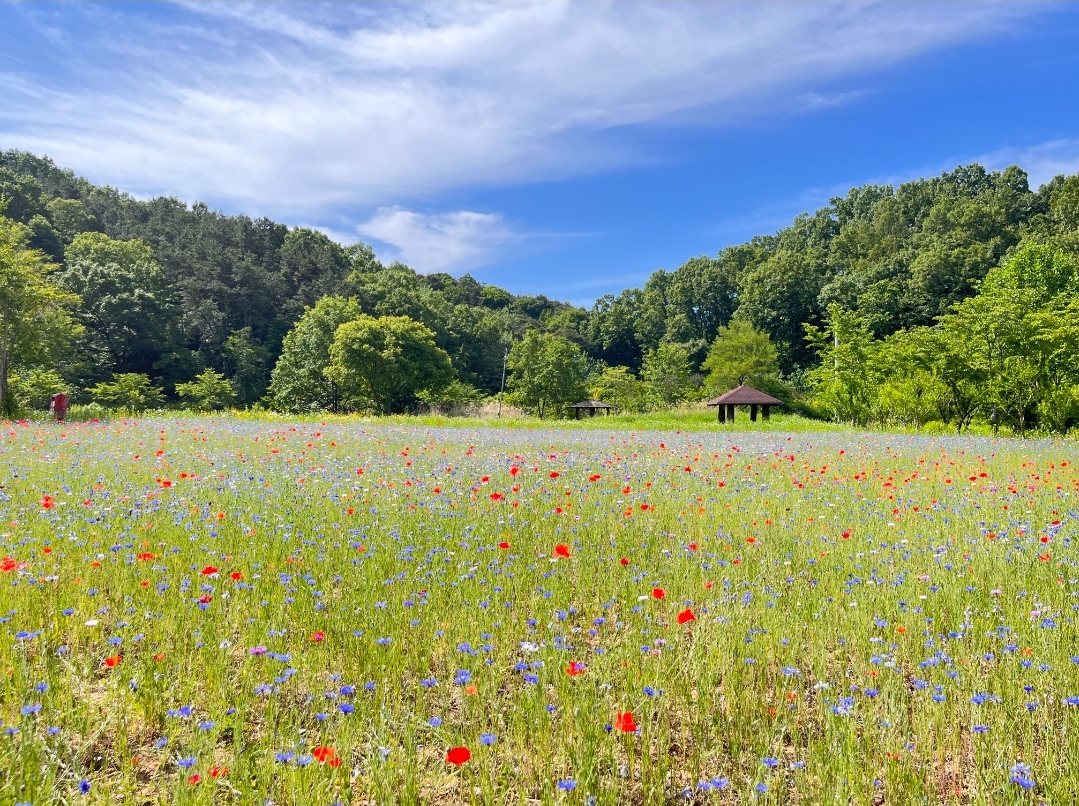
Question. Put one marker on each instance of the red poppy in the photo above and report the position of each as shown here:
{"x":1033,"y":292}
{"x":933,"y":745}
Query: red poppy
{"x":218,"y":772}
{"x":160,"y":656}
{"x":624,"y":561}
{"x":514,"y":470}
{"x":625,"y":722}
{"x":553,"y":474}
{"x":324,"y":754}
{"x":686,"y":615}
{"x":113,"y":662}
{"x":194,"y":779}
{"x":708,"y":585}
{"x":594,"y":477}
{"x":561,"y":550}
{"x":318,"y":636}
{"x":237,"y":575}
{"x":575,"y":668}
{"x":205,"y":598}
{"x":145,"y":555}
{"x":497,"y":496}
{"x":209,"y":571}
{"x":658,"y":593}
{"x":503,"y":545}
{"x":458,"y":755}
{"x":692,"y":546}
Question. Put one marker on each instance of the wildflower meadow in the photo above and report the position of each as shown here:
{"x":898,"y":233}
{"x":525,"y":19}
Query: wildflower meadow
{"x":232,"y":610}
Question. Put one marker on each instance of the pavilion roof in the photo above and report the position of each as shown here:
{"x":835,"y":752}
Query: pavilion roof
{"x":745,"y":396}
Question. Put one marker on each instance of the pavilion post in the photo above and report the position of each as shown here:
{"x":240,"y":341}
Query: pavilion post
{"x":765,"y":409}
{"x":722,"y":410}
{"x":753,"y":412}
{"x":730,"y":412}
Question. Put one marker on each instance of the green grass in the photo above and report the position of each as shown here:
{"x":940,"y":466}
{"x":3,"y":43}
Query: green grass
{"x":820,"y":564}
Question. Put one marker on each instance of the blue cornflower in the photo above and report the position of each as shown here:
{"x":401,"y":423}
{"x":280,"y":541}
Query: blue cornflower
{"x":434,"y":721}
{"x":84,"y":786}
{"x":346,"y":708}
{"x":186,"y":763}
{"x":488,"y":739}
{"x":770,"y":762}
{"x":567,"y":784}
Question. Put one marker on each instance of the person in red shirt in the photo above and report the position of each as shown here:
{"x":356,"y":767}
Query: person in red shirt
{"x":58,"y":406}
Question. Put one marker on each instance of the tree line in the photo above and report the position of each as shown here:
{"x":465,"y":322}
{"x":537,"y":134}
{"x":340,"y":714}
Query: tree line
{"x":946,"y":299}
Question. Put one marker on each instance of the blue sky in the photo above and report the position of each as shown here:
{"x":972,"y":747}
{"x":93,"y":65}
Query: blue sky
{"x":561,"y":148}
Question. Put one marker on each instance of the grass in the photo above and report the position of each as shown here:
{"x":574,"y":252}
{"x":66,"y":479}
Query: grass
{"x":226,"y":610}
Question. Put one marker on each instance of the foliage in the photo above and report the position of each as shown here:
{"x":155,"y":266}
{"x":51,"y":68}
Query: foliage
{"x":620,"y":387}
{"x":128,"y":391}
{"x":668,"y":373}
{"x":32,"y":307}
{"x":168,"y":289}
{"x":547,"y":374}
{"x":127,"y":306}
{"x":452,"y":397}
{"x":299,"y":381}
{"x":383,"y":364}
{"x":209,"y":391}
{"x":741,"y":354}
{"x":33,"y":388}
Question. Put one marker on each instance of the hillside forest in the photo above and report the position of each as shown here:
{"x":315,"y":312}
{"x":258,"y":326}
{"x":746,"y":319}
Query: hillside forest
{"x":951,"y":300}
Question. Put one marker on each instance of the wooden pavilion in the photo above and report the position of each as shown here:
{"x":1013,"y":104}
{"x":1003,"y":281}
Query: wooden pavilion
{"x":743,"y":396}
{"x":591,"y":406}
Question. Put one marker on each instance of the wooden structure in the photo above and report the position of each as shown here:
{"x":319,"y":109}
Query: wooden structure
{"x":591,"y":406}
{"x":743,"y":396}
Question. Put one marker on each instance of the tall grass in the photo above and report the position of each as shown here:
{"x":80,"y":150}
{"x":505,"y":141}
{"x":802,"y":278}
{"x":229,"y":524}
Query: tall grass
{"x":876,"y":619}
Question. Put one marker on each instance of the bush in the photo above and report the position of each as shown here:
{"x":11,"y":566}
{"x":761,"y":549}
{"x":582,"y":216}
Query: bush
{"x":210,"y":391}
{"x":129,"y":391}
{"x":33,"y":389}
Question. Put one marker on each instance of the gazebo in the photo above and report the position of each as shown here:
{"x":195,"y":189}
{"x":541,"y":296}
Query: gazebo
{"x":743,"y":396}
{"x":591,"y":406}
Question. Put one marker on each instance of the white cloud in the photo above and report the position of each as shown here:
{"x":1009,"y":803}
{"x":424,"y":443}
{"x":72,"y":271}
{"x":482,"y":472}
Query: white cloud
{"x":431,"y":243}
{"x":296,"y":109}
{"x":1041,"y":162}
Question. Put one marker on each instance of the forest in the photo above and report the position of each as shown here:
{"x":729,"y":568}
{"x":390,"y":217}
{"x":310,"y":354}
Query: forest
{"x":951,"y":300}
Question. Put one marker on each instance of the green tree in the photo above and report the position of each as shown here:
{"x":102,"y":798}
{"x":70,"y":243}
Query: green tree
{"x":547,"y":373}
{"x":128,"y":391}
{"x":620,"y":387}
{"x":247,"y":366}
{"x":298,"y":381}
{"x":32,"y":307}
{"x":668,"y":374}
{"x":741,"y":354}
{"x":127,"y":308}
{"x":34,"y":387}
{"x":843,"y":384}
{"x":384,"y":363}
{"x":210,"y":391}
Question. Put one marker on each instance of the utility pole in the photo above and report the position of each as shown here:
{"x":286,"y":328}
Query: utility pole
{"x":503,"y":389}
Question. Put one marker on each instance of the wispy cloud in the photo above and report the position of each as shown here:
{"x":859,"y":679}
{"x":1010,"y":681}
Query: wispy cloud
{"x":429,"y":243}
{"x":1041,"y":162}
{"x":316,"y":106}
